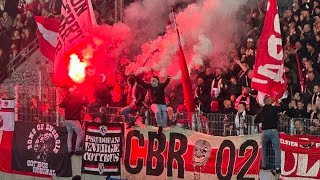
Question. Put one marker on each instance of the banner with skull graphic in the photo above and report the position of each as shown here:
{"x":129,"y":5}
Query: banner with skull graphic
{"x":182,"y":154}
{"x":41,"y":148}
{"x":102,"y":148}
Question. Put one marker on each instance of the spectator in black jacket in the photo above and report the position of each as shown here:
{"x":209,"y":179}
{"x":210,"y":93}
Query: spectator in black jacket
{"x":158,"y":99}
{"x":233,"y":87}
{"x":300,"y":111}
{"x":102,"y":95}
{"x":202,"y":96}
{"x":135,"y":98}
{"x":268,"y":116}
{"x":73,"y":104}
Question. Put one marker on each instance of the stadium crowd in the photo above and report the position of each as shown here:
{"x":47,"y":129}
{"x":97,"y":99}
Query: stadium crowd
{"x":227,"y":90}
{"x":224,"y":90}
{"x":18,"y":26}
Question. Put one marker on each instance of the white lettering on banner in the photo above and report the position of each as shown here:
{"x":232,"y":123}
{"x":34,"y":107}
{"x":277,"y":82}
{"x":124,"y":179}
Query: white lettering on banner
{"x":41,"y":167}
{"x":49,"y":172}
{"x":301,"y":162}
{"x":44,"y":128}
{"x":267,"y":71}
{"x":274,"y":70}
{"x":70,"y":28}
{"x":273,"y":43}
{"x":102,"y":148}
{"x":229,"y":157}
{"x":276,"y":24}
{"x":260,"y":81}
{"x":317,"y":145}
{"x":99,"y":157}
{"x":283,"y":172}
{"x":290,"y":143}
{"x":95,"y":139}
{"x":38,"y":164}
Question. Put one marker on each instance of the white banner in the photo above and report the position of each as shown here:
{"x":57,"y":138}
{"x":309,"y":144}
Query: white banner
{"x":7,"y":115}
{"x":184,"y":154}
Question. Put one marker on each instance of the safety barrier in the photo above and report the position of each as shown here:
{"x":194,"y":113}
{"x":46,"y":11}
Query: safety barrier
{"x":212,"y":123}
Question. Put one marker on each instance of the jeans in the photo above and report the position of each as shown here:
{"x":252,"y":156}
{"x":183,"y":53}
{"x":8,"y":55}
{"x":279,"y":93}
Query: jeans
{"x":160,"y":111}
{"x":126,"y":113}
{"x":273,"y":136}
{"x":74,"y":125}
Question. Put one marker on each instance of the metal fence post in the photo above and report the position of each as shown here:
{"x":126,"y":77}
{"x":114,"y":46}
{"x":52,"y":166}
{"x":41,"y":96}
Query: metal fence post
{"x":16,"y":97}
{"x":57,"y":107}
{"x":291,"y":126}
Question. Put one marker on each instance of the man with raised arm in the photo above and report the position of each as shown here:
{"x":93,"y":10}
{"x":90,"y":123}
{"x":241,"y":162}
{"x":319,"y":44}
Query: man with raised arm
{"x":158,"y":106}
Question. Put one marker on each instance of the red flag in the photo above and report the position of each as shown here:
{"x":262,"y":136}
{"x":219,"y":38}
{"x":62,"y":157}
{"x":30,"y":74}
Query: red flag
{"x":301,"y":79}
{"x":268,"y":76}
{"x":78,"y":19}
{"x":186,"y":82}
{"x":47,"y":35}
{"x":185,"y":77}
{"x":6,"y":138}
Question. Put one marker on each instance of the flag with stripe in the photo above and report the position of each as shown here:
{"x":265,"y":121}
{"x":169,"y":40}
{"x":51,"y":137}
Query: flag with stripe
{"x":47,"y":35}
{"x":268,"y":73}
{"x":102,"y":148}
{"x":78,"y":18}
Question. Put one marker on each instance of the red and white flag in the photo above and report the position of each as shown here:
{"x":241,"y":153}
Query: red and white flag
{"x":7,"y":115}
{"x":185,"y":77}
{"x":78,"y":19}
{"x":268,"y":76}
{"x":48,"y":29}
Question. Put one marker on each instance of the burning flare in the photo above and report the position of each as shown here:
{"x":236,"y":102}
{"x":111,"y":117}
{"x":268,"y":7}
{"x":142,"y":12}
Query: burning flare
{"x":77,"y":70}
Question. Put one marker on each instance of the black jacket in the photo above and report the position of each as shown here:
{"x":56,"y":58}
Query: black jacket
{"x":268,"y":116}
{"x":157,"y":93}
{"x":73,"y":105}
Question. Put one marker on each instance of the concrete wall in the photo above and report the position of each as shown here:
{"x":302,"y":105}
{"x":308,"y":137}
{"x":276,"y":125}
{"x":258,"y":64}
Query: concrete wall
{"x":76,"y":170}
{"x":28,"y":74}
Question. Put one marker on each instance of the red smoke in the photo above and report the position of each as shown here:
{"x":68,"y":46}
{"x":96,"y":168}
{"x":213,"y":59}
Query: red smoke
{"x":77,"y":69}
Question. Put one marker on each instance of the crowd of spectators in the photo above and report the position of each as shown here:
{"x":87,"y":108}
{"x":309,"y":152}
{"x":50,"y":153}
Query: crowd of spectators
{"x":17,"y":29}
{"x":224,"y":90}
{"x":18,"y":26}
{"x":227,"y":90}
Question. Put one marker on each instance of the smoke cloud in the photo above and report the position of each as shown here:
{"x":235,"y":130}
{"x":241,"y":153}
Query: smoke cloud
{"x":147,"y":40}
{"x":206,"y":29}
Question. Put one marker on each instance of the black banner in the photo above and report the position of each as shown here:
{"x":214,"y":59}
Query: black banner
{"x":41,"y":148}
{"x":103,"y":148}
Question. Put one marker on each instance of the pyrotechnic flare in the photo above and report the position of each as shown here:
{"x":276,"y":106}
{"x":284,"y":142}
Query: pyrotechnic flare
{"x":77,"y":69}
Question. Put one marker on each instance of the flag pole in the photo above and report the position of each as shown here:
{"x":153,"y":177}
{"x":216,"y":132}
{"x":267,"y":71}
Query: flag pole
{"x":185,"y":77}
{"x":300,"y":73}
{"x":175,"y":24}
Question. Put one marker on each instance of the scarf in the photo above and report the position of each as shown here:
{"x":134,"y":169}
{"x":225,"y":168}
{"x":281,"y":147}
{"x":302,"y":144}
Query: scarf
{"x":219,"y":84}
{"x":52,"y":6}
{"x":131,"y":94}
{"x":239,"y":123}
{"x":315,"y":98}
{"x":238,"y":100}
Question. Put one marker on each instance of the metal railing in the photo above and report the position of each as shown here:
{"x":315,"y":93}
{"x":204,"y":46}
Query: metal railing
{"x":23,"y":56}
{"x":212,"y":124}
